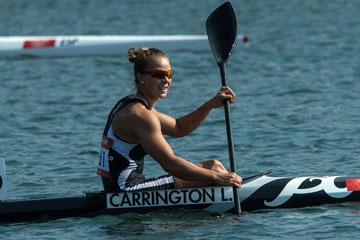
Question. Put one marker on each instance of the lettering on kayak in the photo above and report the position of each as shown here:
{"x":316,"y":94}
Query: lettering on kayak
{"x":68,"y":42}
{"x":223,"y":196}
{"x":169,"y":197}
{"x":327,"y":184}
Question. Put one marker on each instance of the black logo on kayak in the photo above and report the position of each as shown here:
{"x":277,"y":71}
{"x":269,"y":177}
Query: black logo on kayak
{"x":68,"y":42}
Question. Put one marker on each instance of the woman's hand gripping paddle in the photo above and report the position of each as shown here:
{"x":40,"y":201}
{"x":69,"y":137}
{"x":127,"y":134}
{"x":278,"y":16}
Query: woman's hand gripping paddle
{"x":221,"y":29}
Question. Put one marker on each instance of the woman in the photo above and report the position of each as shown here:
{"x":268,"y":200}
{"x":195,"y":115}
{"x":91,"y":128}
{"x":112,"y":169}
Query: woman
{"x":135,"y":129}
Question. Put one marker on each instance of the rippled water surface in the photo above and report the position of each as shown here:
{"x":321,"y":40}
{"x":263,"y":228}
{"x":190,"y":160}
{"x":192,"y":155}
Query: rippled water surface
{"x":297,"y":110}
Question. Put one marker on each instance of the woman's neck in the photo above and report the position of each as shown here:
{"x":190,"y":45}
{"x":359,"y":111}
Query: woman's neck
{"x":151,"y":103}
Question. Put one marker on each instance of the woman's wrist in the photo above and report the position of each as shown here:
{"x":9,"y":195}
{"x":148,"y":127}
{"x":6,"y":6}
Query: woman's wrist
{"x":208,"y":105}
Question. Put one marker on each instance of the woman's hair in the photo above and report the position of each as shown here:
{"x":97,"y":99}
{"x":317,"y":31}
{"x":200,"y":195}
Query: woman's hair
{"x":141,"y":57}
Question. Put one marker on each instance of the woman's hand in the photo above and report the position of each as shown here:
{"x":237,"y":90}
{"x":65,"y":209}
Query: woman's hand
{"x":228,"y":179}
{"x":225,"y":93}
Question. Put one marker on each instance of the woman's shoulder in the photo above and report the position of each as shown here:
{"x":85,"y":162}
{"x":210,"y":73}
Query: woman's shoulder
{"x":141,"y":113}
{"x":136,"y":113}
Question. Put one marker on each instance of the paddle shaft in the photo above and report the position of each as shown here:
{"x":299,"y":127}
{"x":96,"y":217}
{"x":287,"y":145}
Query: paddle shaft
{"x":222,"y":66}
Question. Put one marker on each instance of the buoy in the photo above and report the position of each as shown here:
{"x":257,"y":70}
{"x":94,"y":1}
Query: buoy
{"x":246,"y":41}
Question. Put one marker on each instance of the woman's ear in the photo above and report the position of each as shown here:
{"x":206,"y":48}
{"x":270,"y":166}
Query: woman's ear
{"x":139,"y":76}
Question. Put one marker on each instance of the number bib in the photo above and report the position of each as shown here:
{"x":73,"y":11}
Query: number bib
{"x":103,"y":166}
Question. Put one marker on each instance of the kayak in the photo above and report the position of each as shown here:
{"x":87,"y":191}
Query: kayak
{"x":65,"y":46}
{"x":262,"y":191}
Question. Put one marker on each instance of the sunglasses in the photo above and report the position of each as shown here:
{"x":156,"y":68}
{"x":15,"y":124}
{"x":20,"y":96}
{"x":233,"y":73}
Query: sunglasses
{"x":160,"y":74}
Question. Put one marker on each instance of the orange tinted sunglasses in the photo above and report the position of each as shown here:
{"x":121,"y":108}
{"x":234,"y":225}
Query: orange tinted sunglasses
{"x":160,"y":73}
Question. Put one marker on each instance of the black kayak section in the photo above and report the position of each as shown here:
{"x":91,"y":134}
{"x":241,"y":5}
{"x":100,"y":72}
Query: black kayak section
{"x":275,"y":192}
{"x":262,"y":191}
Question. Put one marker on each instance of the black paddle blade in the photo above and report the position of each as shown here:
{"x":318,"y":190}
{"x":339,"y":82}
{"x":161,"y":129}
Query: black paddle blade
{"x":221,"y":28}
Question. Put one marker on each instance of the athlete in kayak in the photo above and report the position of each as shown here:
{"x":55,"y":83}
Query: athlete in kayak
{"x":134,"y":129}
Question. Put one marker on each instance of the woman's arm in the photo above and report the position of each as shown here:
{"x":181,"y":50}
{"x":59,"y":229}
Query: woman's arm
{"x":148,"y":133}
{"x":183,"y":126}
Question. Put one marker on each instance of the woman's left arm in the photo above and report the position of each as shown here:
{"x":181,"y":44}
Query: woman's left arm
{"x":184,"y":125}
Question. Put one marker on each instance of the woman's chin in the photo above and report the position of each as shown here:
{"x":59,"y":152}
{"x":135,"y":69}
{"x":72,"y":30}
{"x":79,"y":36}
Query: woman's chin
{"x":163,"y":94}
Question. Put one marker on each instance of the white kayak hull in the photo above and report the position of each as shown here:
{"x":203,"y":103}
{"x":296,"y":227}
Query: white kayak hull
{"x":65,"y":46}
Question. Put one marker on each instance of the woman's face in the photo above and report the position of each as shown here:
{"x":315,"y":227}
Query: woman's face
{"x":157,"y":78}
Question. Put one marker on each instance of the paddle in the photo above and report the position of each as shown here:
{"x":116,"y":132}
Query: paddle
{"x":221,"y":29}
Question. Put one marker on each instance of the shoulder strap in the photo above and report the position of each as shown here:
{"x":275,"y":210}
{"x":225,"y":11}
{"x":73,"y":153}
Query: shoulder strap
{"x":119,"y":105}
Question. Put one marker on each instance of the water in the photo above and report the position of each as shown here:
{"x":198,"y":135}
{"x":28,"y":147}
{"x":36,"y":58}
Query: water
{"x":297,"y":110}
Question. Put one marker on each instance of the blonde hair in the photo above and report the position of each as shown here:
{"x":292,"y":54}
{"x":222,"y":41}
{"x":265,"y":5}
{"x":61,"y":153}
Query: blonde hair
{"x":141,"y":57}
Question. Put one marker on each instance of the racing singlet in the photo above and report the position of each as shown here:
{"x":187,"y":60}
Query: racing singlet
{"x":121,"y":163}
